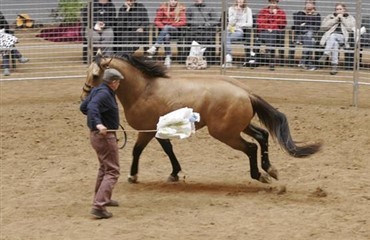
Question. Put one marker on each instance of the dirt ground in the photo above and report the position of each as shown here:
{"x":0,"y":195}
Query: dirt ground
{"x":48,"y":172}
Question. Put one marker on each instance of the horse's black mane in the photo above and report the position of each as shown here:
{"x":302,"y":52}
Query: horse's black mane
{"x":148,"y":67}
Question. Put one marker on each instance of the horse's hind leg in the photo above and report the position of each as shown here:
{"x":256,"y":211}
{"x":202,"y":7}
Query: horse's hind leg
{"x":176,"y":168}
{"x":262,"y":136}
{"x":250,"y":149}
{"x":141,"y":142}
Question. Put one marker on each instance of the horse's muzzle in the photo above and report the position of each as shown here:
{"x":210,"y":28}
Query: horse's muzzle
{"x":85,"y":91}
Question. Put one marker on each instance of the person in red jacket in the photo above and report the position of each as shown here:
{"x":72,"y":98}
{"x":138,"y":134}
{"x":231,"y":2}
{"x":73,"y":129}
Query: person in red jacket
{"x":169,"y":18}
{"x":271,"y":23}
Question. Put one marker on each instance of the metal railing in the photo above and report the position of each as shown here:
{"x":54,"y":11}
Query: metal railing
{"x":64,"y":60}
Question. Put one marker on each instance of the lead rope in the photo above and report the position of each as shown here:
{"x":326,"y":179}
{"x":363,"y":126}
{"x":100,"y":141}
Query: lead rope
{"x":120,"y":130}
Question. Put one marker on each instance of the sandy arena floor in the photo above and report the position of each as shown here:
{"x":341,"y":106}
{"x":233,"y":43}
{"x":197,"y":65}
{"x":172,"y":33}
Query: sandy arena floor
{"x":48,"y":171}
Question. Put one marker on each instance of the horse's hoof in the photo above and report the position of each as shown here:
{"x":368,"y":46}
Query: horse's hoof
{"x":273,"y":172}
{"x":132,"y":179}
{"x":173,"y":178}
{"x":264,"y":178}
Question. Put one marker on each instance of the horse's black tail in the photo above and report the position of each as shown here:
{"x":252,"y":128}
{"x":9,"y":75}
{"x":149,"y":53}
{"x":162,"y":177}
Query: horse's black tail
{"x":277,"y":124}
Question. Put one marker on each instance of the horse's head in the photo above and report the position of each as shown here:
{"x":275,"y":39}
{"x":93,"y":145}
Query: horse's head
{"x":127,"y":64}
{"x":94,"y":74}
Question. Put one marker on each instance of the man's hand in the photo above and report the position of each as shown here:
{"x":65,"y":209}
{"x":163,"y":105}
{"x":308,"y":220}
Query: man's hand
{"x":102,"y":129}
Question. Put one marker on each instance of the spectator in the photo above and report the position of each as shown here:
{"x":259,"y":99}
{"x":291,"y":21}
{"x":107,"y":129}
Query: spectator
{"x":337,"y":27}
{"x":5,"y":32}
{"x":240,"y":17}
{"x":132,"y":27}
{"x":104,"y":16}
{"x":307,"y":24}
{"x":202,"y":22}
{"x":271,"y":23}
{"x":170,"y":17}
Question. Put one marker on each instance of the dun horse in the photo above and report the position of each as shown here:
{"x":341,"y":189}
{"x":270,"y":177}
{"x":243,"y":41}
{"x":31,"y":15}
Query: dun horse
{"x":225,"y":105}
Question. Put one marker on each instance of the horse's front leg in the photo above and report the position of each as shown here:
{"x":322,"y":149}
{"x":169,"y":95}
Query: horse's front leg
{"x":141,"y":142}
{"x":176,"y":168}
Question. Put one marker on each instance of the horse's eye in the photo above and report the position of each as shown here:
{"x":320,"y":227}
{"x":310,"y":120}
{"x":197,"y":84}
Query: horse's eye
{"x":95,"y":78}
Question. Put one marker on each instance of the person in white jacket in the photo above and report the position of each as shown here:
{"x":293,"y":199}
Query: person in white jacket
{"x":240,"y":17}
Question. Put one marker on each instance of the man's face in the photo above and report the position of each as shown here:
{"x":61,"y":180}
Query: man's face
{"x":310,"y":6}
{"x":115,"y":84}
{"x":130,"y":2}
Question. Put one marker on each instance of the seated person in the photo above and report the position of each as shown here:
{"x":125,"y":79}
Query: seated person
{"x":104,"y":16}
{"x":307,"y":24}
{"x":4,"y":31}
{"x":132,"y":27}
{"x":169,"y":19}
{"x":271,"y":23}
{"x":202,"y":26}
{"x":337,"y":27}
{"x":240,"y":17}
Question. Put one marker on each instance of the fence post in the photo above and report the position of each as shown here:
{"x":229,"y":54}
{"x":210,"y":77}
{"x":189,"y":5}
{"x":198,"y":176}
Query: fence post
{"x":356,"y":60}
{"x":90,"y":21}
{"x":223,"y":35}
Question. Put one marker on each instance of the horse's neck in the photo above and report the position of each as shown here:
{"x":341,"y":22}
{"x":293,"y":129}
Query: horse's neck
{"x":133,"y":84}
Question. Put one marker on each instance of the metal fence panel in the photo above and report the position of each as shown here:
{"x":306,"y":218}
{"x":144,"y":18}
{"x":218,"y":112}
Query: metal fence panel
{"x":57,"y":49}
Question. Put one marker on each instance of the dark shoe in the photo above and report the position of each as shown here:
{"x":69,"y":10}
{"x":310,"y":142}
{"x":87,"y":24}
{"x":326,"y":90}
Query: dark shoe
{"x":310,"y":68}
{"x":112,"y":203}
{"x":272,"y":67}
{"x":23,"y":60}
{"x":323,"y":58}
{"x":252,"y":63}
{"x":100,"y":214}
{"x":334,"y":70}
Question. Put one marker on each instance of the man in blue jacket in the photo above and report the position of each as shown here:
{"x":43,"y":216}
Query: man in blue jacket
{"x":102,"y":114}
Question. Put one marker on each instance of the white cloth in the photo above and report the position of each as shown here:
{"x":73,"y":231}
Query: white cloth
{"x":7,"y":41}
{"x":178,"y":123}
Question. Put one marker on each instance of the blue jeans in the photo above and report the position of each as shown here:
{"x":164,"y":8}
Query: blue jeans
{"x":308,"y":42}
{"x":233,"y":37}
{"x":272,"y":41}
{"x":164,"y":37}
{"x":6,"y":57}
{"x":104,"y":37}
{"x":334,"y":42}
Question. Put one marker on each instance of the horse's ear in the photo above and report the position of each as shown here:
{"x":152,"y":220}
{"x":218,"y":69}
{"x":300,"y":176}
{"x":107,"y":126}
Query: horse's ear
{"x":98,"y":57}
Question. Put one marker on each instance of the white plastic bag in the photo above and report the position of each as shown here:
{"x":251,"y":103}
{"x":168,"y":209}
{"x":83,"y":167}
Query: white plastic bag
{"x":195,"y":60}
{"x":179,"y":123}
{"x":196,"y":50}
{"x":359,"y":32}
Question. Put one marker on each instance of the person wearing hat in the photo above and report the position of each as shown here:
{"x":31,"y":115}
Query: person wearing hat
{"x":271,"y":23}
{"x":102,"y":114}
